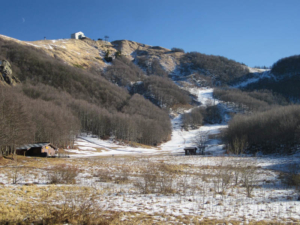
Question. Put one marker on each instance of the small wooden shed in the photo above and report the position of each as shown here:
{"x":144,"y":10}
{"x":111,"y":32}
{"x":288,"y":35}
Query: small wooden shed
{"x":39,"y":149}
{"x":190,"y":150}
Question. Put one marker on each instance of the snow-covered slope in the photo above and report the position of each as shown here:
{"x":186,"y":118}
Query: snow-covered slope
{"x":89,"y":146}
{"x":255,"y":76}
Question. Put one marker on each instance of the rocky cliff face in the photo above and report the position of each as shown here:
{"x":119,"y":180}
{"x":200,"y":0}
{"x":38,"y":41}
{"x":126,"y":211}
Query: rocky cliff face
{"x":6,"y":74}
{"x":144,"y":55}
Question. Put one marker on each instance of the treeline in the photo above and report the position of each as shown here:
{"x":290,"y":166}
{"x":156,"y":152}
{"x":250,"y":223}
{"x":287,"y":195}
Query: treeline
{"x":24,"y":120}
{"x":274,"y":131}
{"x":287,"y":73}
{"x":251,"y":101}
{"x":287,"y":66}
{"x":222,"y":69}
{"x":59,"y":101}
{"x":287,"y":86}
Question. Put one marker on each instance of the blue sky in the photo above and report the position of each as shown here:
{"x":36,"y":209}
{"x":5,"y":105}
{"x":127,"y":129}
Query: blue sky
{"x":255,"y":32}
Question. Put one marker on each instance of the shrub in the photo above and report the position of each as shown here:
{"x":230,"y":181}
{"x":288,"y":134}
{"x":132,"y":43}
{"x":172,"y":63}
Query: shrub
{"x":213,"y":115}
{"x":104,"y":175}
{"x":155,"y":179}
{"x":249,"y":176}
{"x":177,"y":50}
{"x":292,"y":178}
{"x":63,"y":174}
{"x":193,"y":119}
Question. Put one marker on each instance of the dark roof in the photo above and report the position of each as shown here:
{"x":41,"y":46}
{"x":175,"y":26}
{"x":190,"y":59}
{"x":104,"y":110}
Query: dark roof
{"x":37,"y":145}
{"x":190,"y":148}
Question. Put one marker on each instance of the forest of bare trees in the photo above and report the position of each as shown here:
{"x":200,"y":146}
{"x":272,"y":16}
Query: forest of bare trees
{"x":272,"y":131}
{"x":287,"y":66}
{"x":24,"y":120}
{"x":222,"y":69}
{"x":155,"y":85}
{"x":210,"y":114}
{"x":123,"y":72}
{"x":250,"y":101}
{"x":287,"y":72}
{"x":57,"y":101}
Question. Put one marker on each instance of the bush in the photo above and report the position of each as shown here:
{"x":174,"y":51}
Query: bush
{"x":104,"y":175}
{"x":63,"y":174}
{"x":193,"y":119}
{"x":155,"y":179}
{"x":292,"y":178}
{"x":197,"y":116}
{"x":213,"y":115}
{"x":177,"y":50}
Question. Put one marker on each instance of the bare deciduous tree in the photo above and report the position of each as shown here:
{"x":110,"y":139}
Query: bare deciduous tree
{"x":200,"y":140}
{"x":249,"y":178}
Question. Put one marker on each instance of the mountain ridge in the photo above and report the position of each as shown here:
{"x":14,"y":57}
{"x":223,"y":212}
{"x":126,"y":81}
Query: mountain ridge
{"x":91,"y":54}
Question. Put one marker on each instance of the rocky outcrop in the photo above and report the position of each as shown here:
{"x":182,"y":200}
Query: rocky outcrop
{"x":88,"y":53}
{"x":6,"y":76}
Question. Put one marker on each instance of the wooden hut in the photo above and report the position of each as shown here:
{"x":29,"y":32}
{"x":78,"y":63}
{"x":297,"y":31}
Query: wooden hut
{"x":39,"y":149}
{"x":190,"y":150}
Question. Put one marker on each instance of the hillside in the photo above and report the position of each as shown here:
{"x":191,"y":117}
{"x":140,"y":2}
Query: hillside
{"x":125,"y":125}
{"x":282,"y":79}
{"x":90,"y":54}
{"x":74,"y":77}
{"x":58,"y":101}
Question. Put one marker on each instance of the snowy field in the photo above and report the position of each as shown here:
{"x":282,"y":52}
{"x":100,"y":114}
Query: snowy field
{"x":163,"y":184}
{"x":197,"y":178}
{"x":166,"y":188}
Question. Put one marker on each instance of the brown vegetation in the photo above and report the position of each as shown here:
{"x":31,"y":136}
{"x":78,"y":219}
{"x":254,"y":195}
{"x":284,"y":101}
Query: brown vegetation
{"x":59,"y":100}
{"x":250,"y":101}
{"x":223,"y":69}
{"x":272,"y":131}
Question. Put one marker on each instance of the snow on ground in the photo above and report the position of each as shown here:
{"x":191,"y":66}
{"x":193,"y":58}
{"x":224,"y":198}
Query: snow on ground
{"x":179,"y":140}
{"x":205,"y":96}
{"x":89,"y":146}
{"x":194,"y":179}
{"x":256,"y":77}
{"x":257,"y":70}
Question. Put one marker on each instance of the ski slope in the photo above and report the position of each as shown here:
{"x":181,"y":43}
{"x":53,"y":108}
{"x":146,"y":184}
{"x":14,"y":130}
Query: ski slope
{"x":88,"y":146}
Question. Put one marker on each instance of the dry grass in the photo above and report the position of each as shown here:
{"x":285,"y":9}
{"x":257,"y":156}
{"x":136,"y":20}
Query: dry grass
{"x":110,"y":181}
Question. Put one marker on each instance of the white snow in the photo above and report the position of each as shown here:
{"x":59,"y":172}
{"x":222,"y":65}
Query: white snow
{"x":257,"y":70}
{"x":33,"y":45}
{"x":179,"y":138}
{"x":256,"y":77}
{"x":194,"y":182}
